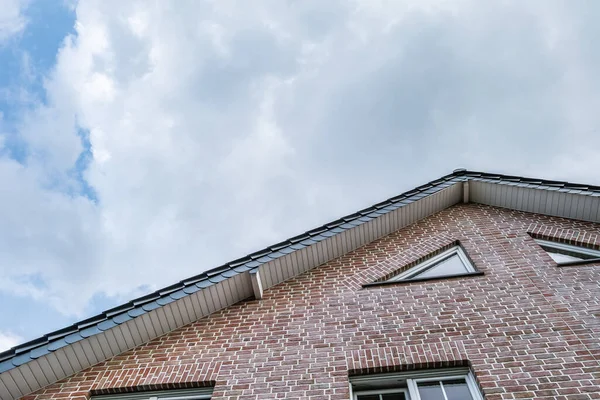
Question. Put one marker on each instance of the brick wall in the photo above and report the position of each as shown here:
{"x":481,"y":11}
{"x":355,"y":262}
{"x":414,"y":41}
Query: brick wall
{"x":528,"y":328}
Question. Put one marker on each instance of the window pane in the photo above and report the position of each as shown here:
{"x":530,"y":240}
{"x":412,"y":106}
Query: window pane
{"x":561,"y":258}
{"x":449,"y":266}
{"x":393,"y":396}
{"x":457,"y":390}
{"x":430,"y":391}
{"x":368,"y":397}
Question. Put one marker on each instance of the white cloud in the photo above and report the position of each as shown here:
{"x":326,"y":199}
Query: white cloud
{"x":216,"y":128}
{"x":12,"y":20}
{"x":8,"y":340}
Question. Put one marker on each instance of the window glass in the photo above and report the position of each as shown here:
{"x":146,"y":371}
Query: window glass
{"x":452,"y":265}
{"x":393,"y":396}
{"x":457,"y":390}
{"x":431,"y":391}
{"x":368,"y":397}
{"x":562,"y":258}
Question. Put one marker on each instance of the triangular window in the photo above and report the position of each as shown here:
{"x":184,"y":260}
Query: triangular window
{"x":563,"y":253}
{"x":451,"y":262}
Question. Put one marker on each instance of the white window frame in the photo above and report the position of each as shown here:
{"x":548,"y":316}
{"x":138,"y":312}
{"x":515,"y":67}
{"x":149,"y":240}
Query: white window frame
{"x":417,"y":269}
{"x":413,"y":378}
{"x":568,"y":248}
{"x":177,"y":394}
{"x":469,"y":379}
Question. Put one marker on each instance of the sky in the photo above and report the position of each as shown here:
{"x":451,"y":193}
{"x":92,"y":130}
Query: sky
{"x":143,"y":142}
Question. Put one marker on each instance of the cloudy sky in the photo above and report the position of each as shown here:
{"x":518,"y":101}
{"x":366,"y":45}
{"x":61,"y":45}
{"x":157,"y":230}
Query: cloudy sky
{"x":142,"y":142}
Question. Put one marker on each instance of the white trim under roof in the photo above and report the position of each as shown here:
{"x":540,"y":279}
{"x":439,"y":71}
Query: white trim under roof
{"x":584,"y":206}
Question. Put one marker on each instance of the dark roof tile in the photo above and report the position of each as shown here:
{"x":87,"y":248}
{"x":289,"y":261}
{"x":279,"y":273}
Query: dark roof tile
{"x":299,"y":238}
{"x":145,"y":299}
{"x":91,"y":321}
{"x":90,"y":331}
{"x":121,"y":318}
{"x":21,"y":359}
{"x":279,"y":245}
{"x":32,"y":344}
{"x":190,"y":289}
{"x":61,"y":332}
{"x":57,"y":344}
{"x":118,"y":310}
{"x":163,"y":301}
{"x":170,"y":289}
{"x":109,"y":323}
{"x":74,"y":337}
{"x":217,"y":271}
{"x":383,"y":204}
{"x":285,"y":250}
{"x":236,"y":263}
{"x":229,"y":274}
{"x":242,"y":268}
{"x":39,"y":352}
{"x":204,"y":284}
{"x":136,"y":312}
{"x":150,"y":306}
{"x":6,"y":365}
{"x":253,"y":264}
{"x":216,"y":279}
{"x":327,"y":234}
{"x":260,"y":254}
{"x":317,"y":231}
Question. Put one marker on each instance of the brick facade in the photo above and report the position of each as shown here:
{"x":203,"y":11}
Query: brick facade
{"x":528,"y":328}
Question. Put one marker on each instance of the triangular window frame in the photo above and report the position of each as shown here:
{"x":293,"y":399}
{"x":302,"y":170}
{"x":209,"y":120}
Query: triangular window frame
{"x":571,"y":254}
{"x":414,"y":273}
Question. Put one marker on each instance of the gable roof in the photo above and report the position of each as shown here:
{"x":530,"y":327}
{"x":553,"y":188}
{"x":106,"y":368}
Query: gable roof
{"x":54,"y":356}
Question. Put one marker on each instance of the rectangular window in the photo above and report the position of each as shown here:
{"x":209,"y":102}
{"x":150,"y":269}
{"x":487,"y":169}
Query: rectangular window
{"x":184,"y":394}
{"x":449,"y":384}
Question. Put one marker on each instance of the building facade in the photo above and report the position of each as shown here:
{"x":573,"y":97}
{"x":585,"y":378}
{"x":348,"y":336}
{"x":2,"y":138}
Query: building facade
{"x":385,"y":316}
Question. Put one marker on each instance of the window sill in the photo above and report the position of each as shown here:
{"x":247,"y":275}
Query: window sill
{"x":434,"y":278}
